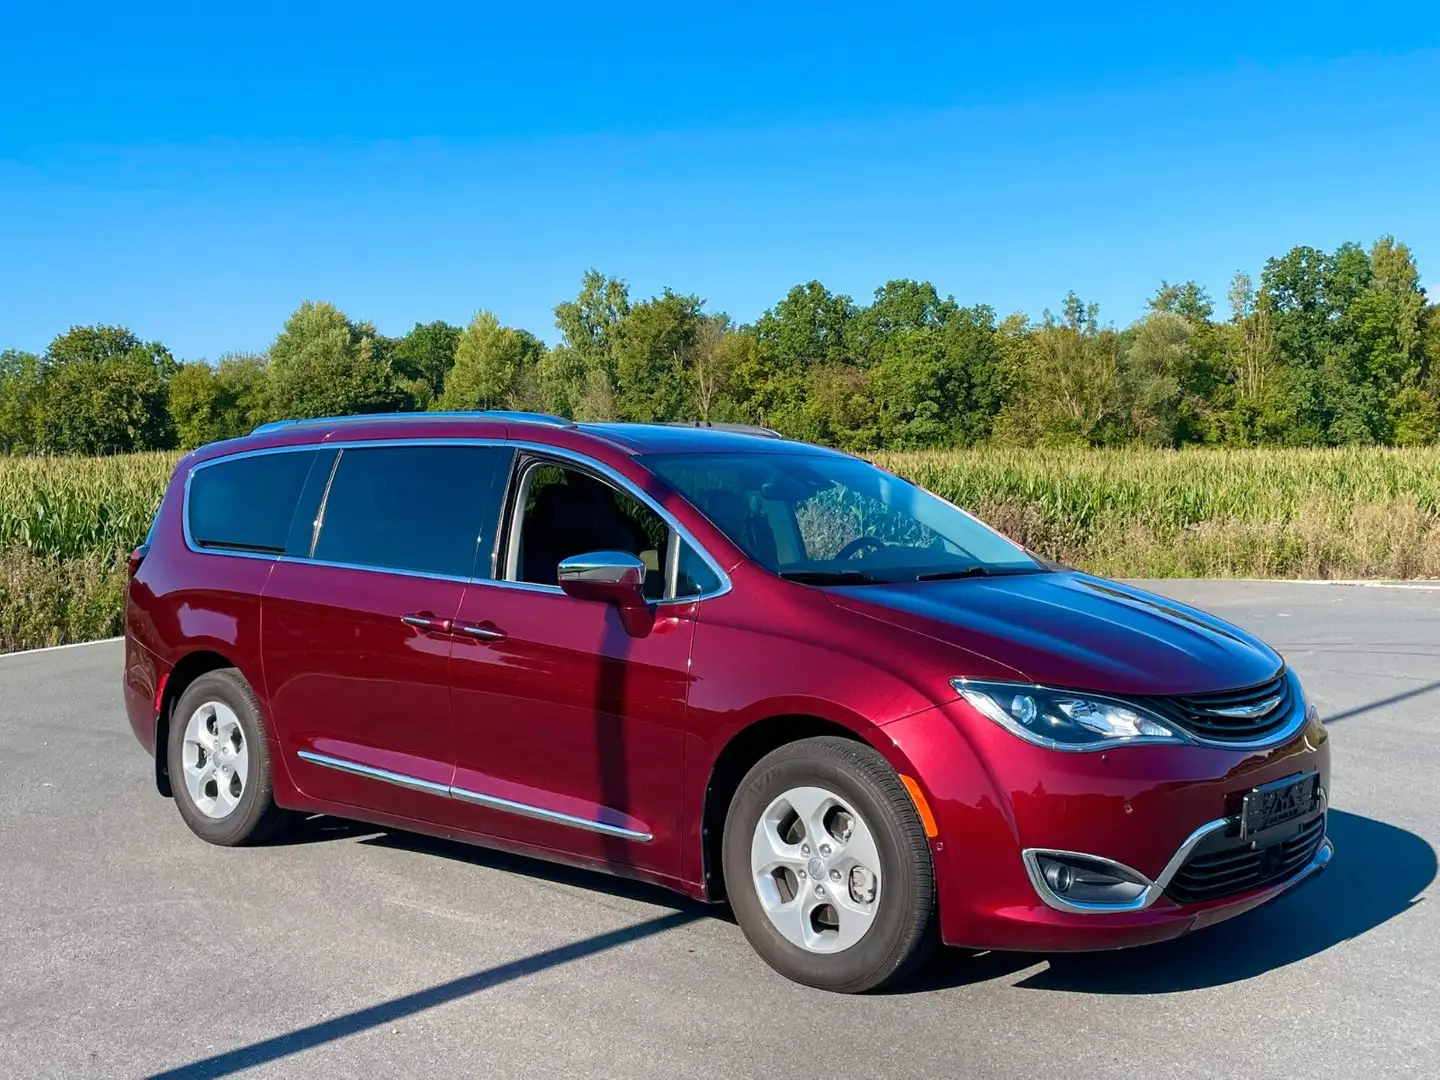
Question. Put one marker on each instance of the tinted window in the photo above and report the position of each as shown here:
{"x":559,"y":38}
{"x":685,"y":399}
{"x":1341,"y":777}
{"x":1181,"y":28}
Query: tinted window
{"x":419,"y":508}
{"x":694,"y":576}
{"x":246,"y":504}
{"x":569,"y":512}
{"x":830,"y":519}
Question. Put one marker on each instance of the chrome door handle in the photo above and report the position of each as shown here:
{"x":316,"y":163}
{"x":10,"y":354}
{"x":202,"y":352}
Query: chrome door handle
{"x":429,"y":623}
{"x":480,"y":631}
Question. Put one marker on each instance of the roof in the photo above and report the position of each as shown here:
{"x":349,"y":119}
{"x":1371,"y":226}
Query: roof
{"x":692,"y":439}
{"x":675,"y":438}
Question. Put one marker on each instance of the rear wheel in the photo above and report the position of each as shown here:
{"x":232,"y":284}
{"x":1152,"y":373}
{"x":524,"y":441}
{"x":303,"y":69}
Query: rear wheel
{"x":828,"y":867}
{"x":220,"y":762}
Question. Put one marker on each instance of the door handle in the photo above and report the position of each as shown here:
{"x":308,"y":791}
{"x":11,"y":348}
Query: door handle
{"x":479,"y":631}
{"x":427,"y":622}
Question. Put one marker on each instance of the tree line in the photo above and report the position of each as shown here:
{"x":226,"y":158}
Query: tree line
{"x":1329,"y":348}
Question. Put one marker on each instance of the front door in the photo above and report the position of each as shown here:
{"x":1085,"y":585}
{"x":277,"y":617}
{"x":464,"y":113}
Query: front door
{"x":354,"y":635}
{"x":570,"y":729}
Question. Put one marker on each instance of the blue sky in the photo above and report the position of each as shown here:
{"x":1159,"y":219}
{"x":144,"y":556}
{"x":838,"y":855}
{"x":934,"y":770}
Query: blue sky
{"x":195,"y":171}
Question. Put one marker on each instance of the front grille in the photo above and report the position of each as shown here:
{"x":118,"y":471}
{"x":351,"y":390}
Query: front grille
{"x":1236,"y":867}
{"x":1250,"y":713}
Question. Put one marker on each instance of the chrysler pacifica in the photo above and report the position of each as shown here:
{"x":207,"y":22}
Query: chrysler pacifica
{"x":745,"y":668}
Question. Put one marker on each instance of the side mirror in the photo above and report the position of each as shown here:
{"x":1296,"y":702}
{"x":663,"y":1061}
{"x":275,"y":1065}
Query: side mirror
{"x":612,"y":577}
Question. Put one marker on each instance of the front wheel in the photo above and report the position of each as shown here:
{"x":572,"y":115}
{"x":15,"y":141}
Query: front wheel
{"x":827,"y":866}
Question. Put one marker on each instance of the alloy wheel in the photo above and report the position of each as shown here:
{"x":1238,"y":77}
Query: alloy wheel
{"x":215,"y":758}
{"x":816,"y":869}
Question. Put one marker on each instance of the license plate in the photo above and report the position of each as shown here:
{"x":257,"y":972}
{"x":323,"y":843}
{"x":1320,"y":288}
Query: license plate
{"x":1274,"y":804}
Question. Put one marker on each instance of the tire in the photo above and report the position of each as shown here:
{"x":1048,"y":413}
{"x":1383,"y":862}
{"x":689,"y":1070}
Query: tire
{"x":217,"y":723}
{"x":884,"y":940}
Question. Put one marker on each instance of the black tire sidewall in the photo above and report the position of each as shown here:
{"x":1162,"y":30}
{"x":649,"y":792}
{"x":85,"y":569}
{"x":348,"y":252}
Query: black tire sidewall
{"x":255,"y":801}
{"x":886,"y":947}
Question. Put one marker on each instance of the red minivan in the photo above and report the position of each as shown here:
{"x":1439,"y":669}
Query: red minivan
{"x":746,"y":668}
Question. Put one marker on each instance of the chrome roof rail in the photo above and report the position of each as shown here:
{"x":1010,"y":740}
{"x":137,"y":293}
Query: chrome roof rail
{"x":365,"y":418}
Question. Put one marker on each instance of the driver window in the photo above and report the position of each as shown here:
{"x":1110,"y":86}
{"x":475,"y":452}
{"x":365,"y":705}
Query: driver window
{"x":568,"y":512}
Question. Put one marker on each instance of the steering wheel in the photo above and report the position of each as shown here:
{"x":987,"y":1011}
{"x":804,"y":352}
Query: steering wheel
{"x":859,"y":544}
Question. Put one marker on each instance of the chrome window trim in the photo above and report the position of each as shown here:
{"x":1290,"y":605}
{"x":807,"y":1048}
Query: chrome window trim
{"x":234,"y":553}
{"x":1156,"y":888}
{"x":491,"y":802}
{"x":427,"y":575}
{"x":562,"y":452}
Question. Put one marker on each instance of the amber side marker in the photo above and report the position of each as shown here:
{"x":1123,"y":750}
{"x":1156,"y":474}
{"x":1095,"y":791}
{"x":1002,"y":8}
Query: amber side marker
{"x":918,"y":797}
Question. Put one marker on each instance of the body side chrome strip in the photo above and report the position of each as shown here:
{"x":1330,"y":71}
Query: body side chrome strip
{"x":414,"y":783}
{"x":492,"y":802}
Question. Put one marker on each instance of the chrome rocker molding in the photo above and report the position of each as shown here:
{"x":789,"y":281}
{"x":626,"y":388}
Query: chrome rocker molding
{"x":1156,"y":888}
{"x":490,"y":802}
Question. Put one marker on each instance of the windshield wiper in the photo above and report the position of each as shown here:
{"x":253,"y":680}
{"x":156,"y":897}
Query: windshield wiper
{"x":831,"y":577}
{"x":944,"y":575}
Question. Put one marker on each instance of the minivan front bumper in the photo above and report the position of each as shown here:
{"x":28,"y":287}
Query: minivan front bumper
{"x":1002,"y":804}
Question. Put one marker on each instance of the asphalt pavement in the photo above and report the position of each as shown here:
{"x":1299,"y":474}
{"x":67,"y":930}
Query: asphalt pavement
{"x":129,"y":948}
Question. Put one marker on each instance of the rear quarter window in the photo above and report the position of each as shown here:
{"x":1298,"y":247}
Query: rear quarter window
{"x":246,"y":503}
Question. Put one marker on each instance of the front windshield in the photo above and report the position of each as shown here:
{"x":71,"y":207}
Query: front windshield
{"x":833,"y":520}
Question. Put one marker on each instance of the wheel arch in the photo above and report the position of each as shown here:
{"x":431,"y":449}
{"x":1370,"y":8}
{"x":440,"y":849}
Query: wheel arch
{"x":186,"y":670}
{"x":736,"y":758}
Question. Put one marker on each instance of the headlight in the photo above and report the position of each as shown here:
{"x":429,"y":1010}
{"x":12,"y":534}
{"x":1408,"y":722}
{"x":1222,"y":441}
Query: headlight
{"x":1062,"y":720}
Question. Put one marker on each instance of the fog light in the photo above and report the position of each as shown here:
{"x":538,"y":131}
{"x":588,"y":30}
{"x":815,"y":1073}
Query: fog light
{"x":1090,"y":881}
{"x":1059,"y":877}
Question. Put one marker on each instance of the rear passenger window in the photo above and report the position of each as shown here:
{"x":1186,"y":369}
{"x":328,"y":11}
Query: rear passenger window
{"x":246,"y":504}
{"x":418,"y":508}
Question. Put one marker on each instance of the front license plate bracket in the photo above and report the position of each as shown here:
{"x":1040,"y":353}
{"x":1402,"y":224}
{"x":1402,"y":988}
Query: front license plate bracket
{"x":1279,"y":802}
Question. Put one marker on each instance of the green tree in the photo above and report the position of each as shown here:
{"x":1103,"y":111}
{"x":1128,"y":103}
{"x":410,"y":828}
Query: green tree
{"x":804,"y":332}
{"x":425,"y":356}
{"x":578,"y":378}
{"x":1156,"y":370}
{"x":103,"y":391}
{"x":322,"y":364}
{"x":932,"y":366}
{"x":194,"y":403}
{"x":713,"y":362}
{"x":490,"y":360}
{"x":20,"y":389}
{"x":243,"y":400}
{"x":654,"y":351}
{"x":220,"y":402}
{"x":1066,"y":382}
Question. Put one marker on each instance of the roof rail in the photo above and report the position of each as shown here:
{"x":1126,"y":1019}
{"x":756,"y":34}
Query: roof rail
{"x":365,"y":418}
{"x":743,"y":429}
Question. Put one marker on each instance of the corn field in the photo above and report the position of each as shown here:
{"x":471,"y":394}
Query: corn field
{"x":65,"y":523}
{"x":63,"y":508}
{"x":1203,"y":513}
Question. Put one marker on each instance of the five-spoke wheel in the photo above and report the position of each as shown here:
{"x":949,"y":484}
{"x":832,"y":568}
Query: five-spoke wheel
{"x":827,"y":866}
{"x":219,"y":763}
{"x":216,"y":759}
{"x":816,"y":869}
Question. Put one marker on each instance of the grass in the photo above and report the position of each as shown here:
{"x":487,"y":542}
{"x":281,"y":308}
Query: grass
{"x":66,"y":523}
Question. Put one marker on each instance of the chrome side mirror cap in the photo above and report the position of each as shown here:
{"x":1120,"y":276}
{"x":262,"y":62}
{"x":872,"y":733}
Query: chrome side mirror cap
{"x":611,"y":577}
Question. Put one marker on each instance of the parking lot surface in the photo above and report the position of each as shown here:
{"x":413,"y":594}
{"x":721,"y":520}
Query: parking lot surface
{"x":129,"y":948}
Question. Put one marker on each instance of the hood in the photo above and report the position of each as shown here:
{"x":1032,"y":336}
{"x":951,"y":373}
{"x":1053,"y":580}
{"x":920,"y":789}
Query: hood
{"x":1074,"y":631}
